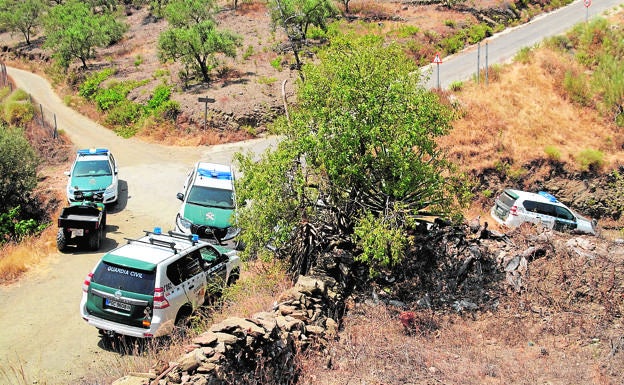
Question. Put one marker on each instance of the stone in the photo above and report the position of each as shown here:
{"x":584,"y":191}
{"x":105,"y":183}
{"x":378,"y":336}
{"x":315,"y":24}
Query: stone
{"x":205,"y":339}
{"x":132,"y":380}
{"x":226,"y":338}
{"x":309,"y":285}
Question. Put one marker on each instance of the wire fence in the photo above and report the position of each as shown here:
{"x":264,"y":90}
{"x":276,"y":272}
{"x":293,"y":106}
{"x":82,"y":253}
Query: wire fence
{"x":45,"y":118}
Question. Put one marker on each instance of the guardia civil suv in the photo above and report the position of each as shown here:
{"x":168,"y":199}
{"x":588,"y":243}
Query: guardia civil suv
{"x":152,"y":284}
{"x":514,"y":207}
{"x":94,"y":171}
{"x":208,"y":203}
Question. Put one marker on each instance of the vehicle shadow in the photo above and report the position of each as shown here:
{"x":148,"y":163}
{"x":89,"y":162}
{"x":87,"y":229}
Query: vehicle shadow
{"x":133,"y":346}
{"x":122,"y":199}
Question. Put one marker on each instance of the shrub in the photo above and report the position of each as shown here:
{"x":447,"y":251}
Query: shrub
{"x":478,"y":32}
{"x":456,"y":85}
{"x":248,"y":52}
{"x":407,"y":31}
{"x":552,"y":152}
{"x":577,"y":88}
{"x":18,"y":113}
{"x":124,"y":114}
{"x":168,"y":110}
{"x":277,"y":63}
{"x":107,"y":98}
{"x":524,"y":56}
{"x":452,"y":44}
{"x":590,"y":159}
{"x":161,"y":94}
{"x":92,"y":84}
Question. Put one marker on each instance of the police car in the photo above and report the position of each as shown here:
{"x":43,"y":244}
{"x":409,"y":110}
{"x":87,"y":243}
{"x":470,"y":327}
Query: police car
{"x":94,"y":171}
{"x":514,"y":207}
{"x":151,"y":285}
{"x":208,"y":203}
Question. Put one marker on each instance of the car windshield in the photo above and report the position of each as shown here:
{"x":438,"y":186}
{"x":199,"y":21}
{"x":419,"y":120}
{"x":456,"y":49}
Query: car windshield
{"x":212,"y":197}
{"x":92,"y":168}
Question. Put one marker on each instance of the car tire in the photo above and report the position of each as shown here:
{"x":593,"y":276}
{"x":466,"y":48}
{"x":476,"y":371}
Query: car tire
{"x":182,"y":322}
{"x":234,"y":275}
{"x":95,"y":239}
{"x":61,"y":240}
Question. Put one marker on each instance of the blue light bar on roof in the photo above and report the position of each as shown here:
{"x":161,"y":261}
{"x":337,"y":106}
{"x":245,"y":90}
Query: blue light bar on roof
{"x":215,"y":174}
{"x":93,"y":151}
{"x":547,"y":196}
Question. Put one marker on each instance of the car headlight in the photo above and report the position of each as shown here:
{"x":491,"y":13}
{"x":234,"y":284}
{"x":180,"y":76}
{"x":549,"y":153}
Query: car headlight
{"x":182,"y":223}
{"x":232,"y":232}
{"x":110,"y":189}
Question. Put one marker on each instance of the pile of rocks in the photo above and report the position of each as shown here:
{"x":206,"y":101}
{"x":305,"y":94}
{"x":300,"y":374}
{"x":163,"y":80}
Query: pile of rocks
{"x":261,"y":349}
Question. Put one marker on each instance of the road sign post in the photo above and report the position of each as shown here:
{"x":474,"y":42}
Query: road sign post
{"x":587,"y":4}
{"x":437,"y":61}
{"x":205,"y":101}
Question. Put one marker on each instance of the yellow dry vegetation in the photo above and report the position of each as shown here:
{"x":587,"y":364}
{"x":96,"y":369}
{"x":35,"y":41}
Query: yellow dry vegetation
{"x":515,"y":118}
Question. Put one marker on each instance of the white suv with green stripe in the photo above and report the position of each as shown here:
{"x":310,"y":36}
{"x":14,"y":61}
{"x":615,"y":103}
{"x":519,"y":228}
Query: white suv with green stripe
{"x":208,"y":203}
{"x":151,"y":285}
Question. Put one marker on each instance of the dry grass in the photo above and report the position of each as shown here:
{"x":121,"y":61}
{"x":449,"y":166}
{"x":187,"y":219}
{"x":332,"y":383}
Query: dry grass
{"x":514,"y":119}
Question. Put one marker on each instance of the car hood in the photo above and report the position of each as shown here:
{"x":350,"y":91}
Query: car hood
{"x":90,"y":183}
{"x":207,"y":216}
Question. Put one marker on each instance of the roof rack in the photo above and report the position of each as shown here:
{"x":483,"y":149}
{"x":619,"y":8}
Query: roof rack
{"x":216,"y":174}
{"x":193,"y":238}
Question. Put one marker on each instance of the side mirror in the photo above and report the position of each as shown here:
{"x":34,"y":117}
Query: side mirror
{"x":66,"y":173}
{"x":116,"y":170}
{"x":180,"y":196}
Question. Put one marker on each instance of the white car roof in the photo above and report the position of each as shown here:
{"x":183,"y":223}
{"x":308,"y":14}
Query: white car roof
{"x":214,"y":175}
{"x":141,"y":249}
{"x":538,"y":197}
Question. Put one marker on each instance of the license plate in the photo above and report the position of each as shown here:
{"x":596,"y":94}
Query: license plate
{"x":77,"y":232}
{"x":118,"y":305}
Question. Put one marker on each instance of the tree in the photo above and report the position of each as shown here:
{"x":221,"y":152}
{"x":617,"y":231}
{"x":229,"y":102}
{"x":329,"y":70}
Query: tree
{"x":358,"y":163}
{"x":22,"y":16}
{"x":74,"y":31}
{"x":296,"y":16}
{"x":18,"y":168}
{"x":193,"y":37}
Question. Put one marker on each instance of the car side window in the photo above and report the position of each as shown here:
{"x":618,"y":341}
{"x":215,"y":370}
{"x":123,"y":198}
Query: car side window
{"x":211,"y":255}
{"x":545,"y":209}
{"x":530,"y":206}
{"x":183,"y":269}
{"x":564,"y":213}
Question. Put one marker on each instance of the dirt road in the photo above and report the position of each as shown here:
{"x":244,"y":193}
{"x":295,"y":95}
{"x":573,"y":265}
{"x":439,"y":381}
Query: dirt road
{"x":41,"y":332}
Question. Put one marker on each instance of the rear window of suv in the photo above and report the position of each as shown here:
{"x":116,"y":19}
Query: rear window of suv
{"x":508,"y":198}
{"x":125,"y":278}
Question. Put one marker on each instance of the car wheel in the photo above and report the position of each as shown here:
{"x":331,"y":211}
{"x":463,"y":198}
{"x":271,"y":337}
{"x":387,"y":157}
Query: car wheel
{"x":95,"y":238}
{"x":182,"y":322}
{"x":61,"y":240}
{"x":234,"y":275}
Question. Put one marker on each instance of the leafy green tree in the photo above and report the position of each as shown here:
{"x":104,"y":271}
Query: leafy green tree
{"x":73,"y":31}
{"x":296,"y":16}
{"x":18,"y":168}
{"x":193,"y":36}
{"x":22,"y":16}
{"x":358,"y":162}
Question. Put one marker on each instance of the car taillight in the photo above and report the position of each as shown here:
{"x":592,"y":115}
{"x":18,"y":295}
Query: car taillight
{"x":513,"y":210}
{"x":160,"y":302}
{"x":87,"y":282}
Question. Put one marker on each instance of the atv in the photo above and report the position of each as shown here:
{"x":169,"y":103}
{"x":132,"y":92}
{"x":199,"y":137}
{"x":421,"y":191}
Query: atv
{"x":83,"y":222}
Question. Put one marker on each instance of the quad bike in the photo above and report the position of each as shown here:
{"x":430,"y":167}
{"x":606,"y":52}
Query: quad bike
{"x":82,"y":223}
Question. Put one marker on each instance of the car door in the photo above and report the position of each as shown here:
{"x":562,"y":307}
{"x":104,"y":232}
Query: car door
{"x":565,"y":220}
{"x":215,"y":264}
{"x":188,"y":277}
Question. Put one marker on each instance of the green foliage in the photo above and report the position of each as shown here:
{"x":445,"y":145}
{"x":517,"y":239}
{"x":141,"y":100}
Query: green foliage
{"x":450,"y":23}
{"x":248,"y":52}
{"x":456,"y":85}
{"x":453,"y":44}
{"x":362,"y":139}
{"x":266,"y":80}
{"x":406,"y":31}
{"x":91,"y":85}
{"x":589,"y":159}
{"x":138,"y":61}
{"x":107,"y":98}
{"x":478,"y":32}
{"x":124,"y":114}
{"x":277,"y":63}
{"x":552,"y":152}
{"x":18,"y":167}
{"x":296,"y":17}
{"x":18,"y":113}
{"x":524,"y":56}
{"x":22,"y":16}
{"x":193,"y":37}
{"x":577,"y":88}
{"x":161,"y":94}
{"x":13,"y":226}
{"x":73,"y":31}
{"x":168,"y":110}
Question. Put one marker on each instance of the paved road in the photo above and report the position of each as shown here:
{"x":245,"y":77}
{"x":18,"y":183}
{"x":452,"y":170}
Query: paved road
{"x":41,"y":331}
{"x":502,"y":47}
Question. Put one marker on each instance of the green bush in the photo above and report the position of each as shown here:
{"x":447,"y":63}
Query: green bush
{"x":524,"y":56}
{"x":168,"y":110}
{"x":577,"y":88}
{"x":590,"y":159}
{"x":552,"y":152}
{"x":456,"y":85}
{"x":161,"y":94}
{"x":407,"y":31}
{"x":124,"y":114}
{"x":478,"y":32}
{"x":92,"y":84}
{"x":453,"y":44}
{"x":18,"y":113}
{"x":107,"y":98}
{"x":277,"y":63}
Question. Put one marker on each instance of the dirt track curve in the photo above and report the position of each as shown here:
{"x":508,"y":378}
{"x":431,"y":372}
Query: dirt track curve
{"x":41,"y":332}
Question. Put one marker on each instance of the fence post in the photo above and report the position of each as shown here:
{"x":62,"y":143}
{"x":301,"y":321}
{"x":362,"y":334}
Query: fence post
{"x":55,"y":132}
{"x":42,"y":121}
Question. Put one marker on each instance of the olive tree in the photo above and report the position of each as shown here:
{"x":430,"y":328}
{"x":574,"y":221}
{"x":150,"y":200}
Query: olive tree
{"x":23,"y":16}
{"x":193,"y":37}
{"x":296,"y":16}
{"x":358,"y":162}
{"x":18,"y":167}
{"x":74,"y":30}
